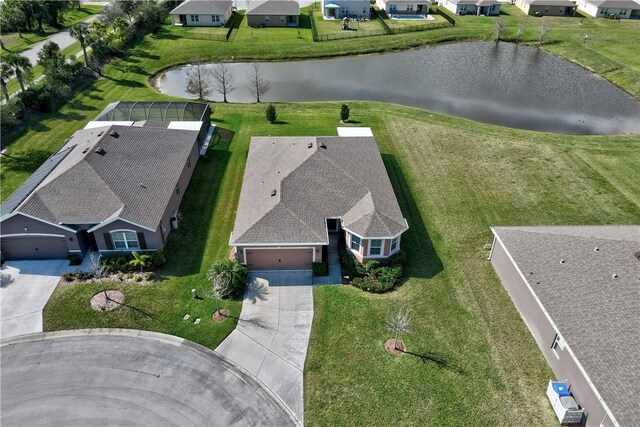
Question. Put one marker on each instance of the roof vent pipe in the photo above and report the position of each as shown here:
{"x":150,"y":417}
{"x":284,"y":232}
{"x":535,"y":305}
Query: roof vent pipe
{"x":596,"y":249}
{"x":323,"y":145}
{"x":114,"y":134}
{"x":615,"y":275}
{"x":310,"y":145}
{"x":562,"y":261}
{"x":273,"y":192}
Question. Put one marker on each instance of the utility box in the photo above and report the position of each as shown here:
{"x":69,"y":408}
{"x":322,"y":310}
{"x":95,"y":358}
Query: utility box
{"x":564,"y":405}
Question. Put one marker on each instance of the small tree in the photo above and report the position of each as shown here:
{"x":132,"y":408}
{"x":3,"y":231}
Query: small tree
{"x":542,"y":32}
{"x":344,"y":113}
{"x":99,"y":271}
{"x":520,"y":32}
{"x":223,"y":80}
{"x":212,"y":293}
{"x":398,"y":323}
{"x":5,"y":75}
{"x":227,"y":277}
{"x":271,"y":113}
{"x":258,"y":85}
{"x":21,"y":67}
{"x":80,"y":32}
{"x":140,"y":260}
{"x":499,"y":28}
{"x":197,"y":82}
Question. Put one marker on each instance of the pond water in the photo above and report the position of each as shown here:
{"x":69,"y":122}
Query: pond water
{"x":504,"y":84}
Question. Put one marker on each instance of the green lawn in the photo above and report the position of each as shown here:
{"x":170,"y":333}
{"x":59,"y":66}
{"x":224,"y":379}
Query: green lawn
{"x":334,"y":26}
{"x":14,"y":43}
{"x":270,"y":37}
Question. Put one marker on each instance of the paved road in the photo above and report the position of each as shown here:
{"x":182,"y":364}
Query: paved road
{"x":63,"y":39}
{"x":271,"y":338}
{"x":113,"y":377}
{"x":26,"y":288}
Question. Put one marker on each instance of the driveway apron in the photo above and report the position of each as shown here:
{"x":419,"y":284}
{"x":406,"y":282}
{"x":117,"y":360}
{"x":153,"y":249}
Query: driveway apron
{"x":272,"y":335}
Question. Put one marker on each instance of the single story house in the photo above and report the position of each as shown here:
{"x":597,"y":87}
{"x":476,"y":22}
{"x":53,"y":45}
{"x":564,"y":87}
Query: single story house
{"x":472,"y":7}
{"x":338,"y":9}
{"x":547,"y":7}
{"x":404,"y":7}
{"x":577,"y":290}
{"x":622,"y":9}
{"x":274,"y":13}
{"x":297,"y":190}
{"x":115,"y":186}
{"x":202,"y":13}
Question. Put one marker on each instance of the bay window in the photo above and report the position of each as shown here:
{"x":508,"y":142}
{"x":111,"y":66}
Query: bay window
{"x":375,"y":247}
{"x":355,"y":243}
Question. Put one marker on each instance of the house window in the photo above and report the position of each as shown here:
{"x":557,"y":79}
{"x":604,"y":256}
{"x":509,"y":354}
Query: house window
{"x":393,"y":7}
{"x":215,"y":18}
{"x":195,"y":18}
{"x":355,"y":243}
{"x":546,"y":9}
{"x":282,"y":19}
{"x":266,"y":18}
{"x":375,"y":247}
{"x":558,"y":345}
{"x":561,"y":10}
{"x":410,"y":7}
{"x":364,"y":10}
{"x":178,"y":188}
{"x":125,"y":240}
{"x":394,"y":244}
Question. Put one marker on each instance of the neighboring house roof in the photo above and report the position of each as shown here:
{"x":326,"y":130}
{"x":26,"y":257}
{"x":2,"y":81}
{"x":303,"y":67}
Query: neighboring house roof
{"x":127,"y":172}
{"x":476,"y":2}
{"x":345,"y":179}
{"x":596,"y":314}
{"x":202,"y":7}
{"x":567,"y":3}
{"x":621,"y":4}
{"x":275,"y":7}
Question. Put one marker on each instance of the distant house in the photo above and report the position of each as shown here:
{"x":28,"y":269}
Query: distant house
{"x":547,"y":7}
{"x":622,"y":9}
{"x":114,"y":186}
{"x":274,"y":13}
{"x":202,"y":13}
{"x":338,"y":9}
{"x":472,"y":7}
{"x":404,"y":7}
{"x":298,"y":190}
{"x":577,"y":290}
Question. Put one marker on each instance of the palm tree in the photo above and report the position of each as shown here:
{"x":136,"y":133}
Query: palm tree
{"x":80,"y":31}
{"x":14,"y":16}
{"x":5,"y":75}
{"x":227,"y":277}
{"x":140,"y":260}
{"x":21,"y":66}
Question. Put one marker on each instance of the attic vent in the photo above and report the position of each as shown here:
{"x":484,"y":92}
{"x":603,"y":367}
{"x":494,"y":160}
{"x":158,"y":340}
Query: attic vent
{"x":101,"y":133}
{"x":562,"y":261}
{"x":114,"y":134}
{"x":142,"y":185}
{"x":596,"y":249}
{"x":323,"y":145}
{"x":85,"y":151}
{"x":310,"y":145}
{"x":615,"y":275}
{"x":101,"y":151}
{"x":273,"y":192}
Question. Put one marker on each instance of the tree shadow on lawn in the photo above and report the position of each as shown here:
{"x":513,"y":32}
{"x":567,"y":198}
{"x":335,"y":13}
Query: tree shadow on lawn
{"x":186,"y":246}
{"x":429,"y":357}
{"x":24,"y":163}
{"x":423,"y":261}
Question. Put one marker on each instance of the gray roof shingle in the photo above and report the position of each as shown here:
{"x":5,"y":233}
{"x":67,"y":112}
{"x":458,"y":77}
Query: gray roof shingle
{"x":346,"y":179}
{"x":622,"y":4}
{"x":133,"y":179}
{"x":202,"y":7}
{"x":275,"y":7}
{"x":596,"y":314}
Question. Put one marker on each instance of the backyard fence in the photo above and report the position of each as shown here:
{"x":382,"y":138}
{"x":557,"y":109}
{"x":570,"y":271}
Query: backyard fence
{"x":215,"y":36}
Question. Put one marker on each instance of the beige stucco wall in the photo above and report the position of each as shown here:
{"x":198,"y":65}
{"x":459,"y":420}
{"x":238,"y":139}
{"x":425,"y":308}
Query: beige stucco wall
{"x":544,"y":334}
{"x":543,"y":10}
{"x":203,"y":20}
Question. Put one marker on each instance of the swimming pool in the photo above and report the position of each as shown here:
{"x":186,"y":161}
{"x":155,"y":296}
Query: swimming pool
{"x":402,"y":17}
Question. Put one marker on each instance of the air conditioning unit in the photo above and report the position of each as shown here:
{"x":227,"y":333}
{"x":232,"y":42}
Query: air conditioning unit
{"x":174,"y":222}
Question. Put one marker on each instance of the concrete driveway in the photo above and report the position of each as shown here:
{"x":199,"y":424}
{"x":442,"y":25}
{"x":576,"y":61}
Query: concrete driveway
{"x":271,"y":338}
{"x":123,"y":377}
{"x":26,"y":288}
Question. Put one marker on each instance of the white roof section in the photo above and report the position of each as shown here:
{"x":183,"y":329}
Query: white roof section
{"x":185,"y":126}
{"x":96,"y":124}
{"x":354,"y":131}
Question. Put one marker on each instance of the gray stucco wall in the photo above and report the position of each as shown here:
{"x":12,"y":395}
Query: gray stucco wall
{"x":274,"y":20}
{"x":544,"y":334}
{"x":151,"y":237}
{"x":17,"y":224}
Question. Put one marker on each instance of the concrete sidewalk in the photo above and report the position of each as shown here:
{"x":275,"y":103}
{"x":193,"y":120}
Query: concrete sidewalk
{"x":272,"y":335}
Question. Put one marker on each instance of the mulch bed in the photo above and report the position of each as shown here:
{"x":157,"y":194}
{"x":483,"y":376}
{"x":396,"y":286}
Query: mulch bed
{"x":112,"y":300}
{"x":394,"y":348}
{"x":220,"y":316}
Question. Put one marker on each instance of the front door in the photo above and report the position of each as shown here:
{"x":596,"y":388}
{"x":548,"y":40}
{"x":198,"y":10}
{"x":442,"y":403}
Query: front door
{"x":333,"y":225}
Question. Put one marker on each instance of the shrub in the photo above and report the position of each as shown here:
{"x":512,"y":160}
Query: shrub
{"x":11,"y":114}
{"x":158,"y":259}
{"x":148,"y":276}
{"x":74,"y":259}
{"x":271,"y":113}
{"x":228,"y":278}
{"x":371,"y":285}
{"x":319,"y":269}
{"x":137,"y":278}
{"x":344,"y":113}
{"x":348,"y":262}
{"x":68,"y":277}
{"x":376,"y":276}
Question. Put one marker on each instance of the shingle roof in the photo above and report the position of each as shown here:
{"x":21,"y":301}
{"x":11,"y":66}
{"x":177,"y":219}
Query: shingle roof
{"x":346,"y":179}
{"x":622,"y":4}
{"x":30,"y":184}
{"x":275,"y":7}
{"x":133,"y":179}
{"x":596,"y":314}
{"x":202,"y":7}
{"x":567,"y":3}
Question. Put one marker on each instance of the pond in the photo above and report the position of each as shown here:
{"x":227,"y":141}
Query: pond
{"x":504,"y":84}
